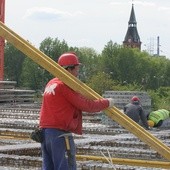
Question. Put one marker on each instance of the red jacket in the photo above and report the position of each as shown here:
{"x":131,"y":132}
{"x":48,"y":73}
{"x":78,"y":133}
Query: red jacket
{"x":62,"y":107}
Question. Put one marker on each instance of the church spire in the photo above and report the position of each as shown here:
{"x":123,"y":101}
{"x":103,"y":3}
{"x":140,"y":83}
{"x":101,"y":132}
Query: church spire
{"x":132,"y":38}
{"x":132,"y":20}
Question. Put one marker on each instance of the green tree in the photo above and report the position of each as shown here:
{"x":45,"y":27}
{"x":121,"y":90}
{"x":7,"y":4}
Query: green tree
{"x":53,"y":48}
{"x":13,"y":63}
{"x":158,"y":74}
{"x":90,"y":63}
{"x":32,"y":75}
{"x":108,"y":58}
{"x":101,"y":82}
{"x":166,"y":77}
{"x":131,"y":66}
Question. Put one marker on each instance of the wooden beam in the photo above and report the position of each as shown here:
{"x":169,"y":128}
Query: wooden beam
{"x":121,"y":161}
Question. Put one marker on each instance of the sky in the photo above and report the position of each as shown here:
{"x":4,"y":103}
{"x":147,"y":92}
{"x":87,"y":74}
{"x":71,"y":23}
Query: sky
{"x":90,"y":23}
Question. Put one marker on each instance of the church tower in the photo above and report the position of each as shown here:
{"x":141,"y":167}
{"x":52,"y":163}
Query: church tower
{"x":132,"y":38}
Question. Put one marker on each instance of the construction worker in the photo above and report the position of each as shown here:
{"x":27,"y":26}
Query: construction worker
{"x":61,"y":115}
{"x":156,"y":118}
{"x":135,"y":111}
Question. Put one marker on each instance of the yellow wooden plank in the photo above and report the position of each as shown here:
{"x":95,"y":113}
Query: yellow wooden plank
{"x":131,"y":162}
{"x":51,"y":66}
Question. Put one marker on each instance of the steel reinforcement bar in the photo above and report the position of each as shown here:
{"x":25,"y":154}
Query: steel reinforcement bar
{"x":51,"y":66}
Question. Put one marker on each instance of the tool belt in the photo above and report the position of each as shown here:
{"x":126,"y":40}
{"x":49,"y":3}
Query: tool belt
{"x":37,"y":135}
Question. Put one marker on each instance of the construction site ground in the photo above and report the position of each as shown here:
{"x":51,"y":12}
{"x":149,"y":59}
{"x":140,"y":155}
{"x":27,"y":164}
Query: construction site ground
{"x":101,"y":137}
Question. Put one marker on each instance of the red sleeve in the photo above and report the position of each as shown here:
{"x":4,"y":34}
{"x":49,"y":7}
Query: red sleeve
{"x":82,"y":103}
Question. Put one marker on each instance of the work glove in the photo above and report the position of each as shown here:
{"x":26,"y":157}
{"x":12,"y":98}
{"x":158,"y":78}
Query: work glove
{"x":111,"y":102}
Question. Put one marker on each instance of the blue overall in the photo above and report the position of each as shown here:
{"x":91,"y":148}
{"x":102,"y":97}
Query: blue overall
{"x":54,"y":151}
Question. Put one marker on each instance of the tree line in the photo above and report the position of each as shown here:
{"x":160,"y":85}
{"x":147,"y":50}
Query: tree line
{"x":116,"y":68}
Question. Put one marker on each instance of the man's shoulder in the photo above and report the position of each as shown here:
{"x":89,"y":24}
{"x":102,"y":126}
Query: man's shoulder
{"x":56,"y":81}
{"x":128,"y":104}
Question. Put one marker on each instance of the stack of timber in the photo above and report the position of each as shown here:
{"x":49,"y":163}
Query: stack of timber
{"x":10,"y":94}
{"x":122,"y":98}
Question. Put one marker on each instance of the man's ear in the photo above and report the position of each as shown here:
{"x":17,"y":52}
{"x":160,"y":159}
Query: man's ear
{"x":68,"y":69}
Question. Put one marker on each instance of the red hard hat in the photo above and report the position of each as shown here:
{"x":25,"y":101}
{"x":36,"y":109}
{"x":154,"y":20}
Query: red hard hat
{"x":68,"y":59}
{"x":135,"y":98}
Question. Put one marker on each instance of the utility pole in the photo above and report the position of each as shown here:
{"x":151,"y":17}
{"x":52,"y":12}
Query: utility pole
{"x":158,"y":46}
{"x":2,"y":41}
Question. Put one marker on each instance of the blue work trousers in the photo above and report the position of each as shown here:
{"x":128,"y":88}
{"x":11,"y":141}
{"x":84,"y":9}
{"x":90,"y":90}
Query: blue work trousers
{"x":54,"y":152}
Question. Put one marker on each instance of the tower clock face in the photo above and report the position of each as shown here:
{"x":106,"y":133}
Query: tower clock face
{"x":129,"y":40}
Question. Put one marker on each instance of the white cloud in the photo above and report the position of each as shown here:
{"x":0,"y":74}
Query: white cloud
{"x":163,"y":8}
{"x":88,"y":23}
{"x":116,"y":3}
{"x":43,"y":13}
{"x":145,"y":3}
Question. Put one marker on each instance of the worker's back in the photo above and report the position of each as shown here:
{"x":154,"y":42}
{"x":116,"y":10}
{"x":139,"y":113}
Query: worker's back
{"x":133,"y":110}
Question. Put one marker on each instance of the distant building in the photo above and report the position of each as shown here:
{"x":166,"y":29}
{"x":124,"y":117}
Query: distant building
{"x":132,"y":38}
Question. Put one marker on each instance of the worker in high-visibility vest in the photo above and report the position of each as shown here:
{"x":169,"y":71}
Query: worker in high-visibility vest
{"x":156,"y":118}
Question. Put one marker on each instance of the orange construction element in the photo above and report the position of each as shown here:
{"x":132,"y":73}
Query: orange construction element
{"x":2,"y":41}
